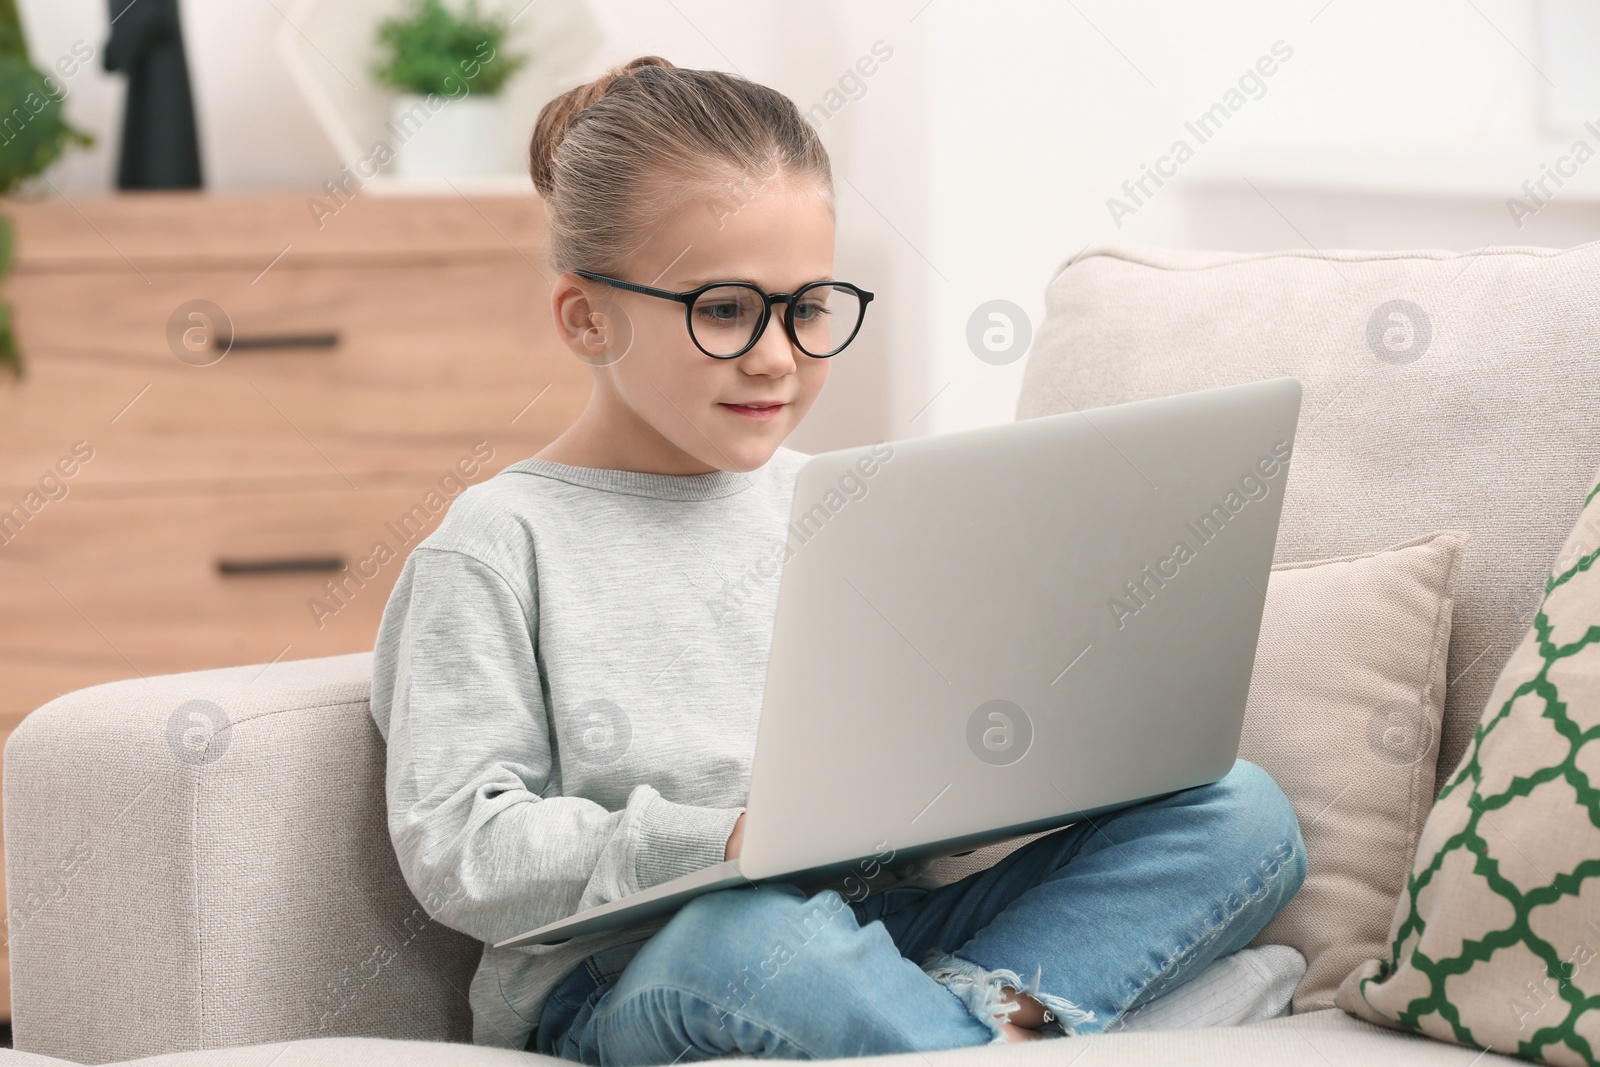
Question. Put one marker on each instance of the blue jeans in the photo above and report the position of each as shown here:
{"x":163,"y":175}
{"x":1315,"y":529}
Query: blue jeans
{"x":1091,"y":921}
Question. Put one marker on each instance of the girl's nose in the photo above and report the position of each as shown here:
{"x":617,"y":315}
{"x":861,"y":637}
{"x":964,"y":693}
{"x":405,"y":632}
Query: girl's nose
{"x":773,"y":350}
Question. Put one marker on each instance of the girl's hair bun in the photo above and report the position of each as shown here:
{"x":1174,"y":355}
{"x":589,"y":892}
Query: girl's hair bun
{"x":613,"y":158}
{"x":557,"y":115}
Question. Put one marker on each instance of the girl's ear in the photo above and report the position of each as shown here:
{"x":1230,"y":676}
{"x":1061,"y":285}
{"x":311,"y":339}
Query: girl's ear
{"x":594,"y":327}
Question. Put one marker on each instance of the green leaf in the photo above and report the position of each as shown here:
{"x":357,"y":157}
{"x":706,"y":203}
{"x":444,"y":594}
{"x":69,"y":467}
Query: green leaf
{"x":33,"y":130}
{"x":432,"y":50}
{"x":9,"y":357}
{"x":12,"y":43}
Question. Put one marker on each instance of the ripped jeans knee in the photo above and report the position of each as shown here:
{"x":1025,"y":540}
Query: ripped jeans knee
{"x":980,"y":990}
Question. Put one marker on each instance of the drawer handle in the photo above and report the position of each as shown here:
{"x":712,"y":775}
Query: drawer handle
{"x":280,"y":566}
{"x":285,"y":340}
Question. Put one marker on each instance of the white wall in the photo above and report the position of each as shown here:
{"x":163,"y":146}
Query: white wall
{"x":1392,"y":126}
{"x":55,"y":30}
{"x":982,"y":154}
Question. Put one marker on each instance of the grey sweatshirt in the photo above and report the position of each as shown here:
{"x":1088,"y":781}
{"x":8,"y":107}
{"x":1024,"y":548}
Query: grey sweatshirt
{"x":568,"y":676}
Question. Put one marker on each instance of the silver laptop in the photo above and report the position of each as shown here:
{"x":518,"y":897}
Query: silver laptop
{"x":1002,"y":630}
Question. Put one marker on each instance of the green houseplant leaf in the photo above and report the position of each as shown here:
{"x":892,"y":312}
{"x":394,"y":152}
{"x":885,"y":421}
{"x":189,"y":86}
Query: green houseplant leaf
{"x":11,"y":40}
{"x":432,"y":50}
{"x":33,"y":133}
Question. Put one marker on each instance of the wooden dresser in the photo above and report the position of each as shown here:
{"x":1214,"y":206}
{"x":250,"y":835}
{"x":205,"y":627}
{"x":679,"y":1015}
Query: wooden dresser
{"x":234,"y":422}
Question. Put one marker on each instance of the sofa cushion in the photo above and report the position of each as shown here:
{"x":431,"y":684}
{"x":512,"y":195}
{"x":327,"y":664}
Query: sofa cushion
{"x":1345,"y":699}
{"x":201,"y":860}
{"x":1345,"y":702}
{"x":1442,"y":390}
{"x":1321,"y":1039}
{"x":1243,"y":987}
{"x":13,"y":1058}
{"x":1496,"y":940}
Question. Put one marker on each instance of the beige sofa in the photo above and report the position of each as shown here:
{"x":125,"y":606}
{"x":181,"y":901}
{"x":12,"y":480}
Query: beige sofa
{"x":252,"y":903}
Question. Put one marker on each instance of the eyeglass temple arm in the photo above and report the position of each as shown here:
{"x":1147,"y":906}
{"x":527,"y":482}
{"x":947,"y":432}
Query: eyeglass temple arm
{"x":647,"y":290}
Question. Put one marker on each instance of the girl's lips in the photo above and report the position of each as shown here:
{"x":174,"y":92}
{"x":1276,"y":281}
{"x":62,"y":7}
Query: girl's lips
{"x":768,"y":412}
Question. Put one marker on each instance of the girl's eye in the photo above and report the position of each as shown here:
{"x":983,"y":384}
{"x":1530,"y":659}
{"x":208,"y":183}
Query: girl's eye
{"x":727,"y":307}
{"x":810,"y":311}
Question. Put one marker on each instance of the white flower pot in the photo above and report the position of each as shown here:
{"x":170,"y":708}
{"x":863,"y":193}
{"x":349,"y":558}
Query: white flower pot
{"x":437,"y":137}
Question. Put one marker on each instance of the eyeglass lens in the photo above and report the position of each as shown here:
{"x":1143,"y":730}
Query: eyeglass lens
{"x":825,"y":317}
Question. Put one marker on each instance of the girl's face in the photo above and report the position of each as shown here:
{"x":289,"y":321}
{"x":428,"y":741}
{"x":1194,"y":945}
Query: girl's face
{"x":659,"y":403}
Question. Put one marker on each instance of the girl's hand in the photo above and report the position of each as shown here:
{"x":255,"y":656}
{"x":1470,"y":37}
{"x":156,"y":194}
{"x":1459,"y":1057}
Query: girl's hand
{"x":730,"y":851}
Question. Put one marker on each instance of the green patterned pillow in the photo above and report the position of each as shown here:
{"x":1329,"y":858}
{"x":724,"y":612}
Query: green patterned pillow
{"x":1495,"y":941}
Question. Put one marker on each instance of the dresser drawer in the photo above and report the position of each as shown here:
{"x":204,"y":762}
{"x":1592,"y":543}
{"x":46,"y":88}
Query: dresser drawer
{"x":449,"y":324}
{"x":161,"y":585}
{"x":289,"y":421}
{"x":352,"y":371}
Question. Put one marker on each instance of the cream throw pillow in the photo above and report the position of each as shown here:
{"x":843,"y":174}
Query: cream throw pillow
{"x":1345,"y":701}
{"x":1495,"y":940}
{"x":1345,"y":705}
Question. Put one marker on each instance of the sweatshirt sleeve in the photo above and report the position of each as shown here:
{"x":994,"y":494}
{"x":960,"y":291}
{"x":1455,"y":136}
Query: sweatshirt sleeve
{"x":483,"y":837}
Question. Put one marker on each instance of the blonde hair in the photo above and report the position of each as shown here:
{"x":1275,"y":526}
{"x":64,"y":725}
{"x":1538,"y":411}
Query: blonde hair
{"x":613,"y":157}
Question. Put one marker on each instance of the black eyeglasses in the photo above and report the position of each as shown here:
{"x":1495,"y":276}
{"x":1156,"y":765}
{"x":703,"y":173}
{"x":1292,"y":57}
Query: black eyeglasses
{"x":726,"y":319}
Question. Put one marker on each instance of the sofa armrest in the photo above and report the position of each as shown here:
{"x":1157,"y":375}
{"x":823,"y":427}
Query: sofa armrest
{"x":202,"y":860}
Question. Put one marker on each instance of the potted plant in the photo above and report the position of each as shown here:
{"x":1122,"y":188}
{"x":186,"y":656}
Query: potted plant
{"x":33,"y":134}
{"x":449,"y":68}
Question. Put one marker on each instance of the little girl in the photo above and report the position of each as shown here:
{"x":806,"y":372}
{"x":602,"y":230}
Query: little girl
{"x":569,"y":692}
